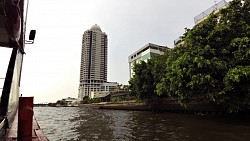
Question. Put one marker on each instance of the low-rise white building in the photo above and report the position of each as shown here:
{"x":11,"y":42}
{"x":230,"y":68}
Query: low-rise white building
{"x":98,"y":94}
{"x":143,"y":54}
{"x":71,"y":102}
{"x":105,"y":88}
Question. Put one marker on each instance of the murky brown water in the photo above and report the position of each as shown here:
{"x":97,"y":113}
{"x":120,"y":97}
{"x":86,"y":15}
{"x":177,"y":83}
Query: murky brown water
{"x":86,"y":124}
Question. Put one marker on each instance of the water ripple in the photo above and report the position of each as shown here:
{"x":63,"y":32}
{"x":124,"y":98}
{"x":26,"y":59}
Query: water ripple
{"x":87,"y":124}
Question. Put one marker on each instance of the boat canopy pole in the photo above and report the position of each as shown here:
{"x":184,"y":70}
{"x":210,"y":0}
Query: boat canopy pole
{"x":7,"y":84}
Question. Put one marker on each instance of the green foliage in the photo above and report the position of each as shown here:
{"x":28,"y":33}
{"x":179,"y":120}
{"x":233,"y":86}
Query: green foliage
{"x":85,"y":100}
{"x":61,"y":102}
{"x":52,"y":104}
{"x":94,"y":100}
{"x":147,"y":75}
{"x":88,"y":100}
{"x":121,"y":87}
{"x":140,"y":84}
{"x":213,"y":61}
{"x":236,"y":93}
{"x":117,"y":99}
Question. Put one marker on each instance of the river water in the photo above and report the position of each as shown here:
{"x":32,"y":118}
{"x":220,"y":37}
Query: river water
{"x":87,"y":124}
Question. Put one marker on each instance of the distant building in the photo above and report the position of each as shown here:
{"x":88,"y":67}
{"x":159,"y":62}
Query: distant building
{"x":71,"y":102}
{"x":109,"y":86}
{"x":98,"y":94}
{"x":106,"y":89}
{"x":93,"y":70}
{"x":143,"y":54}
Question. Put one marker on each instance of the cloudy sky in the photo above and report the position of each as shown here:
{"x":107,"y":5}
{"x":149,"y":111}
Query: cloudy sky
{"x":51,"y":65}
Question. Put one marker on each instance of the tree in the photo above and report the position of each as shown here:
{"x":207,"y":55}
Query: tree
{"x":61,"y":102}
{"x":119,"y":87}
{"x":140,"y":84}
{"x":147,"y":76}
{"x":213,"y":62}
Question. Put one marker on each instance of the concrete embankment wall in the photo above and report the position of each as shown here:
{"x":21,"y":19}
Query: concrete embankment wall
{"x":163,"y":107}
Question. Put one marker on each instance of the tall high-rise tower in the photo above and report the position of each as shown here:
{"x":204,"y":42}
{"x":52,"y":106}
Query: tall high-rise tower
{"x":93,"y":71}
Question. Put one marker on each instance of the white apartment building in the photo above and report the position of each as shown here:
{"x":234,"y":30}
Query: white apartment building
{"x":144,"y":53}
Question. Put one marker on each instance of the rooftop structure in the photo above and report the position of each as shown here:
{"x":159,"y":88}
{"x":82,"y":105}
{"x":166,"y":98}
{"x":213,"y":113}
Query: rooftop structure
{"x":202,"y":16}
{"x":215,"y":8}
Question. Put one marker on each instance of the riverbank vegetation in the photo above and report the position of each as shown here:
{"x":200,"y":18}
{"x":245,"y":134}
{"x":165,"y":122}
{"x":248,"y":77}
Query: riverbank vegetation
{"x":111,"y":99}
{"x":212,"y":63}
{"x":59,"y":103}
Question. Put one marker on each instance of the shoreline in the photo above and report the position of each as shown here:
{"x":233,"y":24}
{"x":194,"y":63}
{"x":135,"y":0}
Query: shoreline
{"x":203,"y":109}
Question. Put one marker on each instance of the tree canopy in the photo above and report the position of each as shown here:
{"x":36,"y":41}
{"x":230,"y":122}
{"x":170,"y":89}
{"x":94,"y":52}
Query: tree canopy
{"x":212,"y":63}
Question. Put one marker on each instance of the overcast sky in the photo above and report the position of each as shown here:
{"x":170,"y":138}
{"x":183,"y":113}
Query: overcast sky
{"x":51,"y":65}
